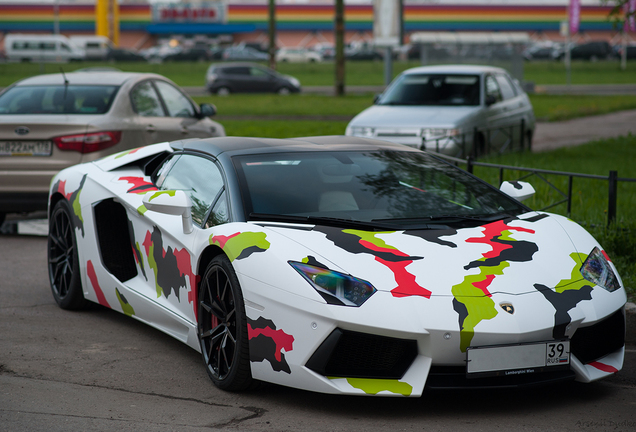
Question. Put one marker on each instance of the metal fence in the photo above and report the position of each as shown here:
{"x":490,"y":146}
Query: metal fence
{"x":566,"y":196}
{"x":482,"y":141}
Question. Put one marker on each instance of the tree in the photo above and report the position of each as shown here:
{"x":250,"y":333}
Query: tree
{"x":621,"y":10}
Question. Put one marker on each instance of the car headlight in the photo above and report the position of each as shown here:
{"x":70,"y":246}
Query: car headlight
{"x":335,"y":287}
{"x":293,"y":81}
{"x":429,"y":133}
{"x":598,"y":270}
{"x":362,"y":131}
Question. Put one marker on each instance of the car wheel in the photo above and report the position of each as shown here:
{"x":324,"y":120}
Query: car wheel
{"x":223,"y":91}
{"x":223,"y":327}
{"x":284,"y":91}
{"x":63,"y":261}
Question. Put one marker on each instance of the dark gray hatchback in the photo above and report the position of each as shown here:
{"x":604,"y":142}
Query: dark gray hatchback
{"x":226,"y":78}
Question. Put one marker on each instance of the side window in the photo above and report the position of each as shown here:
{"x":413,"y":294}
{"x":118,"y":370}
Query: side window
{"x":492,"y":88}
{"x":507,"y":90}
{"x":219,"y":214}
{"x":177,"y":103}
{"x":145,"y":100}
{"x":199,"y":177}
{"x":256,"y":72}
{"x":237,"y":71}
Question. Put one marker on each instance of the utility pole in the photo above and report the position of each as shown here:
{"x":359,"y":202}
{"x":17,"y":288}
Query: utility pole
{"x":272,"y":34}
{"x":340,"y":60}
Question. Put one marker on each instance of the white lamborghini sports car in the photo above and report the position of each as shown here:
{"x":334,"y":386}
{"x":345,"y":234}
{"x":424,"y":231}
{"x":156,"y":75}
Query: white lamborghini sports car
{"x":336,"y":264}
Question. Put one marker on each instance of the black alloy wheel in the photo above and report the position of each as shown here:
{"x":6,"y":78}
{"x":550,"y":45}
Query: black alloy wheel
{"x":63,"y":262}
{"x":223,"y":327}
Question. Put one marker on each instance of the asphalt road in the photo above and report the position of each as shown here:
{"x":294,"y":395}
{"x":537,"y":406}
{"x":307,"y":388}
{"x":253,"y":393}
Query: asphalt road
{"x":99,"y":370}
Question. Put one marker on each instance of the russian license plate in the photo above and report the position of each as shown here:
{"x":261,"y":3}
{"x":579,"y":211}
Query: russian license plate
{"x":517,"y":359}
{"x":25,"y":148}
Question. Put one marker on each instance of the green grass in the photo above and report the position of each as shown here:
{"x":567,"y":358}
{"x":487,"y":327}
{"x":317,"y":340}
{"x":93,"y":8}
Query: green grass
{"x":323,"y":74}
{"x":546,"y":107}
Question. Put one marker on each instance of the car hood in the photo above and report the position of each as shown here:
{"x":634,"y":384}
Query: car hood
{"x":513,"y":256}
{"x":410,"y":116}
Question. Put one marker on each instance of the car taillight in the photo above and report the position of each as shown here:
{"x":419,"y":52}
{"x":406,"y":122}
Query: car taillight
{"x":88,"y":142}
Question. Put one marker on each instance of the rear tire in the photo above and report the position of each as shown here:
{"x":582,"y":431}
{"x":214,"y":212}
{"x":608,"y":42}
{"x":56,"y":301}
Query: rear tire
{"x":63,"y":261}
{"x":223,"y":327}
{"x":223,"y":91}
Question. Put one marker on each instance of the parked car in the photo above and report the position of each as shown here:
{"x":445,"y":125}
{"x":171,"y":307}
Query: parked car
{"x":542,"y":52}
{"x":357,"y":54}
{"x":453,"y":109}
{"x":189,"y":54}
{"x":95,"y":47}
{"x":124,"y":55}
{"x":226,"y":78}
{"x":50,"y":122}
{"x":244,"y":53}
{"x":592,"y":51}
{"x":338,"y":265}
{"x":297,"y":55}
{"x":41,"y":48}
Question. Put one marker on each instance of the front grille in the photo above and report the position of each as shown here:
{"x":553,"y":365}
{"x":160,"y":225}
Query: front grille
{"x":360,"y":355}
{"x":598,"y":340}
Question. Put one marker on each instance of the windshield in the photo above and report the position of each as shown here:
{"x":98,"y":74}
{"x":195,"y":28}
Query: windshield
{"x":390,"y":188}
{"x":429,"y":89}
{"x":57,"y":99}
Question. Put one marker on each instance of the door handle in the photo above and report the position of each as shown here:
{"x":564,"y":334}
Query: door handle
{"x":151,"y":128}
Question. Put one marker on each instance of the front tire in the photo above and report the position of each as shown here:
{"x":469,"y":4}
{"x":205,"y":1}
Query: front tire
{"x":284,"y":91}
{"x":223,"y":327}
{"x":63,"y":261}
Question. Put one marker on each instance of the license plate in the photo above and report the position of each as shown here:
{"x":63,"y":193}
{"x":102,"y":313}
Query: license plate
{"x":25,"y":148}
{"x":517,"y":359}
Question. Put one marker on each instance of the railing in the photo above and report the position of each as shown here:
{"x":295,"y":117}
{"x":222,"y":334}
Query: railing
{"x":612,"y":180}
{"x":482,"y":141}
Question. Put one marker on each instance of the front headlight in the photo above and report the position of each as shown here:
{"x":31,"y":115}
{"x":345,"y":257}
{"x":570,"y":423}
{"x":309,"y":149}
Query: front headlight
{"x":598,"y":270}
{"x":429,"y":133}
{"x":362,"y":131}
{"x":335,"y":287}
{"x":293,"y":81}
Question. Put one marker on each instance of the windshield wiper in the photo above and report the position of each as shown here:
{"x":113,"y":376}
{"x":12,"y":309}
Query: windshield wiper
{"x":320,"y":220}
{"x":447,"y":218}
{"x":480,"y":218}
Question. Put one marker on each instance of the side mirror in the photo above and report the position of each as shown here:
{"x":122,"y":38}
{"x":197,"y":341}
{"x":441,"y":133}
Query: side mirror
{"x":376,"y":98}
{"x":207,"y":110}
{"x":490,"y":100}
{"x":518,"y":190}
{"x":171,"y":202}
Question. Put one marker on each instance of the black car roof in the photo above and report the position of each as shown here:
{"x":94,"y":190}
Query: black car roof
{"x":233,"y":146}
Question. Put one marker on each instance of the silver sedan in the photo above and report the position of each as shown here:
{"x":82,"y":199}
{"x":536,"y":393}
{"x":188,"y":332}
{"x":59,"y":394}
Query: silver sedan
{"x":452,"y":109}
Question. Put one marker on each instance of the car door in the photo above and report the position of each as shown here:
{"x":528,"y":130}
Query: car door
{"x":165,"y":113}
{"x":262,"y":81}
{"x":499,"y":122}
{"x":171,"y":279}
{"x":183,"y":114}
{"x":515,"y":108}
{"x":238,"y":78}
